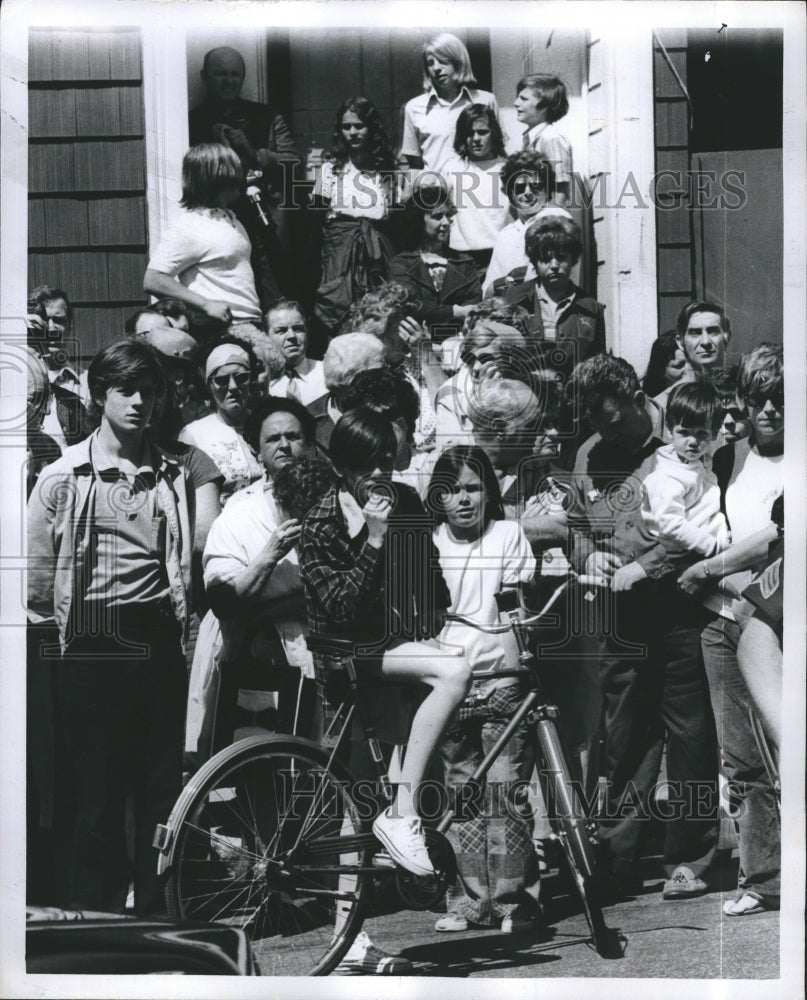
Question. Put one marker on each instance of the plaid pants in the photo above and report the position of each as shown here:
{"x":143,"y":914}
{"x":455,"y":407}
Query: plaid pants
{"x":497,"y":869}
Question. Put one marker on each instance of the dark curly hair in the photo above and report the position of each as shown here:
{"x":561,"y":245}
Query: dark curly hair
{"x":379,"y":149}
{"x":385,"y":392}
{"x":527,"y":161}
{"x":303,"y":482}
{"x":598,"y":378}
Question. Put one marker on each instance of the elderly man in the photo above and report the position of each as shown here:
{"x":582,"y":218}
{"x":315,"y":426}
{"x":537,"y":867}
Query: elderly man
{"x":346,"y":356}
{"x":703,"y":333}
{"x":262,"y":140}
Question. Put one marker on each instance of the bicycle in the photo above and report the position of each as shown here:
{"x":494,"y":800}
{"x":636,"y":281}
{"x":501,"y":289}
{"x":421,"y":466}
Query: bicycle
{"x":273,"y":833}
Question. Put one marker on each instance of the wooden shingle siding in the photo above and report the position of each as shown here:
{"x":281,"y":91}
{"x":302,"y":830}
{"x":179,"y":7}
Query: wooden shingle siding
{"x":675,"y":257}
{"x":87,"y":176}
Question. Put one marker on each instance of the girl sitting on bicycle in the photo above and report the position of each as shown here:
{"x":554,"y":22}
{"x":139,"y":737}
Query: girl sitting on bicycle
{"x":481,"y":554}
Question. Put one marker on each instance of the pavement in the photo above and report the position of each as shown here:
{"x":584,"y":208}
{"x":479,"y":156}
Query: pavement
{"x":689,"y":939}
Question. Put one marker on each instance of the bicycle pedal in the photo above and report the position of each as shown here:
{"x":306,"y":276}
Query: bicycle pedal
{"x":382,"y":860}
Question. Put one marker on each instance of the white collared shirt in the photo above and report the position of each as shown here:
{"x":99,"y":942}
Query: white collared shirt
{"x":430,"y":124}
{"x":354,"y":519}
{"x":310,"y":382}
{"x":545,"y":138}
{"x":551,"y":311}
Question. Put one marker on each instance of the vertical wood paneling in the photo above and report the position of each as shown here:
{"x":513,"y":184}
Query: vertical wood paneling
{"x":87,"y":139}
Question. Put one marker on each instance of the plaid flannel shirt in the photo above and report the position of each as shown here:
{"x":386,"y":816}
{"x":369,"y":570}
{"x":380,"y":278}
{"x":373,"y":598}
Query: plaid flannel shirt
{"x":357,"y":590}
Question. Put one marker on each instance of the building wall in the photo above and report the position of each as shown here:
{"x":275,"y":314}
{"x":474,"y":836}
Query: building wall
{"x":86,"y":175}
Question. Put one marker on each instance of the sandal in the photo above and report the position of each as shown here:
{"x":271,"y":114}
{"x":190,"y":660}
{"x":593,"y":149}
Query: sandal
{"x":747,"y":904}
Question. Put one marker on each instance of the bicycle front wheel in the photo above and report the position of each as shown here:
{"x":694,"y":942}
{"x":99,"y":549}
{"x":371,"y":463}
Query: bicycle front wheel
{"x":259,"y":843}
{"x":569,"y":825}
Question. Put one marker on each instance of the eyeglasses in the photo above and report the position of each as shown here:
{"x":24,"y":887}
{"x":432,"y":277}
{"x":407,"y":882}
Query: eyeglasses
{"x":241,"y":380}
{"x":758,"y":400}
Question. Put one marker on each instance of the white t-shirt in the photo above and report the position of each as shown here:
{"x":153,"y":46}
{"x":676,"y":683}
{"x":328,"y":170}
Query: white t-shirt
{"x":755,"y":483}
{"x":236,"y":538}
{"x":234,"y":458}
{"x":207,"y":250}
{"x":475,"y":572}
{"x":483,"y":209}
{"x":352,"y":192}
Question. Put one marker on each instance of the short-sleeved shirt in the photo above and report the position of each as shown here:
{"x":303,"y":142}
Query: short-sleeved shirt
{"x":236,"y":538}
{"x":430,"y":124}
{"x":475,"y":572}
{"x":509,"y":252}
{"x":547,"y":139}
{"x":208,"y":251}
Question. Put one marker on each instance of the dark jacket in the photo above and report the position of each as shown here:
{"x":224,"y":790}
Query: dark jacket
{"x":580,"y":330}
{"x":461,"y":287}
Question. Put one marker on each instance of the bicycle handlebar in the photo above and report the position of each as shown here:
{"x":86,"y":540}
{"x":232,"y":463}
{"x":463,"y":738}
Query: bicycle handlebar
{"x":500,"y":629}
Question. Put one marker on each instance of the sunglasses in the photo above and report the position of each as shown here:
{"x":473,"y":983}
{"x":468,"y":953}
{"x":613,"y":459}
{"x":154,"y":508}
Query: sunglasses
{"x":758,"y":400}
{"x":521,"y":186}
{"x":241,"y":380}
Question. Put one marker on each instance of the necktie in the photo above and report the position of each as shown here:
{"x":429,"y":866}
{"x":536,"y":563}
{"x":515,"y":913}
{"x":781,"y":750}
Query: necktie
{"x":293,"y":389}
{"x":526,"y":144}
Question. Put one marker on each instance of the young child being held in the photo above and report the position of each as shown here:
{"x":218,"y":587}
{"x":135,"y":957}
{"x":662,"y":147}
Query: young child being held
{"x":681,"y":501}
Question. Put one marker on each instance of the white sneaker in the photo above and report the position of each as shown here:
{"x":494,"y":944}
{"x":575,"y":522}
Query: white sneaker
{"x":403,"y":838}
{"x":365,"y":959}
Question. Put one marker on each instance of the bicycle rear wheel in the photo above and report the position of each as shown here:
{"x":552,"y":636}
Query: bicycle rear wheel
{"x":569,"y":825}
{"x":256,"y":837}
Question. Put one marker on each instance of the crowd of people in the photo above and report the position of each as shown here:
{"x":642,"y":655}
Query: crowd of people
{"x":209,"y":493}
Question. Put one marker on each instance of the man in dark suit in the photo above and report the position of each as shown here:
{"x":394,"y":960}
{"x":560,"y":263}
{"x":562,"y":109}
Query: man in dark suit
{"x":260,"y":136}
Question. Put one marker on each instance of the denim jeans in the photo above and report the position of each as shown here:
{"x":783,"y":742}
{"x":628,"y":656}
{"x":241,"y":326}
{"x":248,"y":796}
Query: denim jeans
{"x":758,"y":827}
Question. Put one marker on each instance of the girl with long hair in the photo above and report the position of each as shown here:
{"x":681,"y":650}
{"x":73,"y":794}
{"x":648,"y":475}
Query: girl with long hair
{"x":480,"y":555}
{"x":358,"y":186}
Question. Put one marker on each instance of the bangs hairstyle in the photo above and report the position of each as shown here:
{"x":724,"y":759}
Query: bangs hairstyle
{"x":263,"y":408}
{"x":761,"y":371}
{"x":432,"y":195}
{"x":553,"y":235}
{"x":448,"y":48}
{"x":360,"y":438}
{"x":467,"y":119}
{"x":550,"y":91}
{"x":693,"y":405}
{"x":379,"y":147}
{"x":207,"y":170}
{"x":692,"y":308}
{"x":118,"y":366}
{"x":446,"y":473}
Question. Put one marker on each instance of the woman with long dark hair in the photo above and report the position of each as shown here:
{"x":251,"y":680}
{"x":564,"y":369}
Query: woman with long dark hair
{"x":358,"y":186}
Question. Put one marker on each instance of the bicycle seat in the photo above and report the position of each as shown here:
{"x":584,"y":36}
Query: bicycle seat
{"x":331,"y":645}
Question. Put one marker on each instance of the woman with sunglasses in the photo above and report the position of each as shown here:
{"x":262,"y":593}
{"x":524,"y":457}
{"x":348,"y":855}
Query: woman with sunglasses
{"x":443,"y":284}
{"x":231,"y":371}
{"x":528,"y":181}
